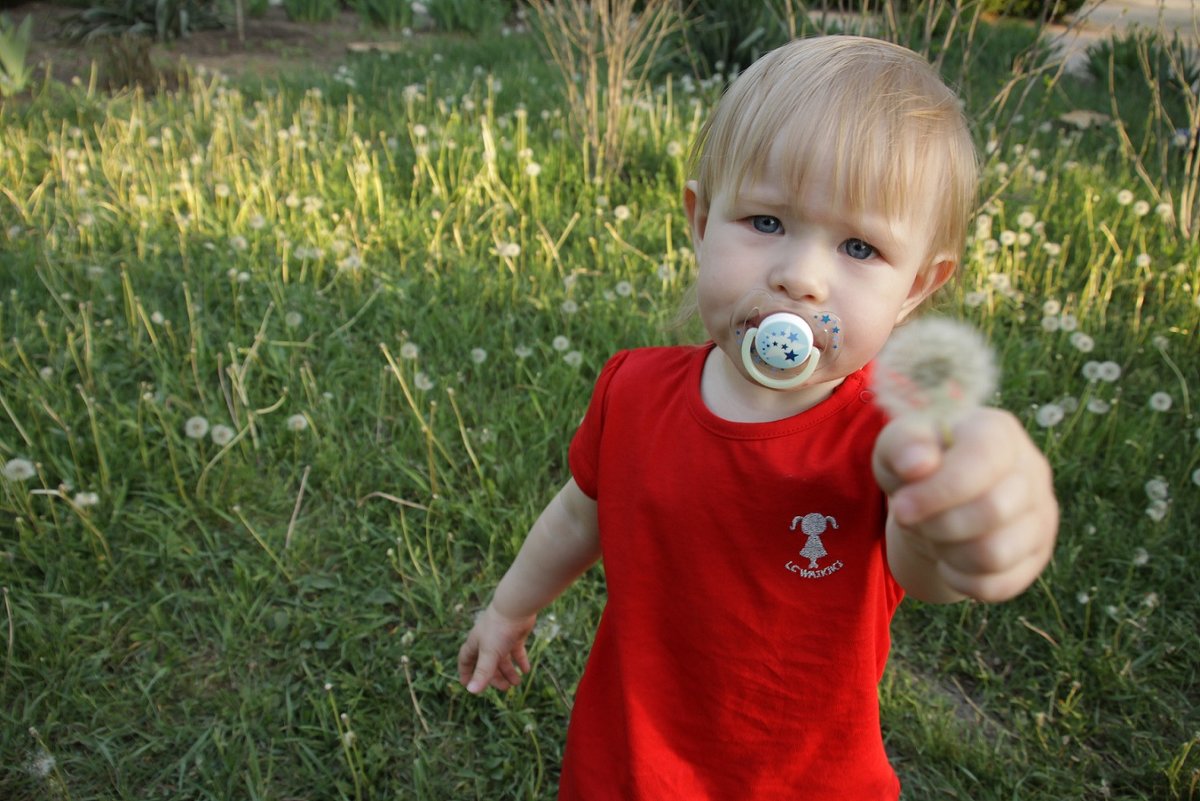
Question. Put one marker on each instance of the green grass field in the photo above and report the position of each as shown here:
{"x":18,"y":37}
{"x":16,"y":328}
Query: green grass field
{"x":287,"y":370}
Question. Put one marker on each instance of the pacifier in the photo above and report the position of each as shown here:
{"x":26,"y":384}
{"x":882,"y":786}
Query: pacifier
{"x":781,"y":349}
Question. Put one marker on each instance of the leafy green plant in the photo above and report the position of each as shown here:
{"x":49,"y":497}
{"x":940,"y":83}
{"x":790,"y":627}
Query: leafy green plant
{"x":725,"y":35}
{"x":164,"y":19}
{"x":470,"y":16}
{"x":390,"y":14}
{"x":14,"y":47}
{"x":1052,"y":10}
{"x":311,"y":10}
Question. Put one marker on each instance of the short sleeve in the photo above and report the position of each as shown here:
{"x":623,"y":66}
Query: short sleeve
{"x":584,"y":454}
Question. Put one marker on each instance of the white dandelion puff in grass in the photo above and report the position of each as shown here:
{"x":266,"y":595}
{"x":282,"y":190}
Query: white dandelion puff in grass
{"x":293,"y":319}
{"x":523,"y":352}
{"x":1051,"y":308}
{"x":478,"y":355}
{"x":1099,"y":406}
{"x":1026,"y":219}
{"x":422,"y":382}
{"x":936,"y":369}
{"x":1157,"y":510}
{"x":1109,"y":372}
{"x":19,"y":470}
{"x":569,"y":306}
{"x":195,"y":427}
{"x":622,"y":213}
{"x":221,"y":435}
{"x":573,"y":358}
{"x":533,"y":169}
{"x":1157,"y":489}
{"x":508,"y":250}
{"x":297,"y":422}
{"x":1124,"y":197}
{"x":41,"y":764}
{"x":1141,"y":557}
{"x":1196,"y":477}
{"x":560,"y":343}
{"x":410,"y":351}
{"x":624,"y":289}
{"x":1082,"y":342}
{"x":1160,"y":402}
{"x":1141,"y":208}
{"x":85,"y":499}
{"x":1049,"y":415}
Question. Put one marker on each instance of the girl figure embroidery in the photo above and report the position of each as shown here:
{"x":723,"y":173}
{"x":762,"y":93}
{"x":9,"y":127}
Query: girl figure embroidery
{"x":812,"y":525}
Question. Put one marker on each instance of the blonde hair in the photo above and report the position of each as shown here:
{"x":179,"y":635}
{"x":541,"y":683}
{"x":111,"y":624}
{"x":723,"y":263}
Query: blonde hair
{"x":874,"y":113}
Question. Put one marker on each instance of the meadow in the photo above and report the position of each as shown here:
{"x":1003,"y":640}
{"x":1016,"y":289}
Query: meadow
{"x":288,"y":367}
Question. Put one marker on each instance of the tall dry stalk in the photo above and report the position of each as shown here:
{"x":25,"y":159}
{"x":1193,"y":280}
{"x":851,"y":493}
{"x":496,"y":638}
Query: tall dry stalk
{"x":1163,"y":129}
{"x":604,"y":50}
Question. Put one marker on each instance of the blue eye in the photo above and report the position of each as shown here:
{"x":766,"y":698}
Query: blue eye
{"x":765,"y":224}
{"x":858,"y":249}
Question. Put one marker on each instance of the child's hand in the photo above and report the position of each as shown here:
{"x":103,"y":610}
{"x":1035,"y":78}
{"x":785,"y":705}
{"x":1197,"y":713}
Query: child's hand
{"x":494,"y":652}
{"x":976,"y":519}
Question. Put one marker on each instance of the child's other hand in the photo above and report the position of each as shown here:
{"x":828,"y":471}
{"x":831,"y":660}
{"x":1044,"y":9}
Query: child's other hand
{"x":981,"y":513}
{"x":494,"y":653}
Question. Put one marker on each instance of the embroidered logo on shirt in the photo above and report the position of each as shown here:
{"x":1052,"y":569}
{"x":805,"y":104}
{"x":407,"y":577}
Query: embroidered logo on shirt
{"x":813,"y":526}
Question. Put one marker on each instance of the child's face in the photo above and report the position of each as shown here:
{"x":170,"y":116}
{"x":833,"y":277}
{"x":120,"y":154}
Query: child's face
{"x":810,"y":257}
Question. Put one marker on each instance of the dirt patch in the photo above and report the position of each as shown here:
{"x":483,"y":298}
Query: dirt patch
{"x":267,"y":45}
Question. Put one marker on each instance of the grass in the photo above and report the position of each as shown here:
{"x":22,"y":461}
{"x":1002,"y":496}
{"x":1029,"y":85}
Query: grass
{"x":399,"y":319}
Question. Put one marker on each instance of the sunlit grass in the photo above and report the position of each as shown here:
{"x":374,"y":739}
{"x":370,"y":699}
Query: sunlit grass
{"x":386,"y":294}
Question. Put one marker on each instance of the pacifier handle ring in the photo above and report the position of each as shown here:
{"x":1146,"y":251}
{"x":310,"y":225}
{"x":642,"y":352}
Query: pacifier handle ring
{"x":775,"y":383}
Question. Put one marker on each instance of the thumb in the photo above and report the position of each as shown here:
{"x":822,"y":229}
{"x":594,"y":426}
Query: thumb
{"x":907,"y":450}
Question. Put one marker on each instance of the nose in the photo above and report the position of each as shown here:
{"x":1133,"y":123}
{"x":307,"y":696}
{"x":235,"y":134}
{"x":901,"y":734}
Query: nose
{"x":801,"y":271}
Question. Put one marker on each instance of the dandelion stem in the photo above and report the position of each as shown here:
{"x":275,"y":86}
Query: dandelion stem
{"x":16,"y":424}
{"x":287,"y":540}
{"x":262,"y":543}
{"x":11,"y":637}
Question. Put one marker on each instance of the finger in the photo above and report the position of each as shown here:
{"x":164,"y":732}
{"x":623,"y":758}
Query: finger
{"x":905,"y":451}
{"x":523,"y":658}
{"x":468,"y":655}
{"x":1000,"y":504}
{"x":985,"y":449}
{"x":509,"y":671}
{"x":993,"y":587}
{"x":485,"y":670}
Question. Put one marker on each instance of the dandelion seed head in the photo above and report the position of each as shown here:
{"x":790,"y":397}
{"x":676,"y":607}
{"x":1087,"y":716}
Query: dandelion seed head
{"x":569,"y":306}
{"x":523,"y":352}
{"x":560,"y":343}
{"x":1157,"y":510}
{"x":1026,"y":219}
{"x":157,"y":318}
{"x":297,"y":422}
{"x":41,"y":765}
{"x":508,"y":250}
{"x":1049,"y":415}
{"x":1196,"y":477}
{"x":422,"y":382}
{"x":1157,"y":489}
{"x":624,"y":289}
{"x":1098,"y":406}
{"x":1160,"y":402}
{"x":1141,"y":557}
{"x":478,"y":355}
{"x":533,"y":169}
{"x":1143,"y":260}
{"x":1083,"y":598}
{"x":573,"y":358}
{"x":293,"y":319}
{"x":936,"y":369}
{"x":409,"y":350}
{"x":1141,"y":208}
{"x":1124,"y":197}
{"x":85,"y":499}
{"x":18,"y":470}
{"x":622,"y":213}
{"x":1008,"y":238}
{"x":195,"y":427}
{"x":1082,"y":342}
{"x":1051,"y":308}
{"x":1109,"y":371}
{"x":1051,"y":324}
{"x":221,"y":435}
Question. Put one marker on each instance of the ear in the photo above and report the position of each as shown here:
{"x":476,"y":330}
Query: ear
{"x":697,"y":212}
{"x":928,"y":281}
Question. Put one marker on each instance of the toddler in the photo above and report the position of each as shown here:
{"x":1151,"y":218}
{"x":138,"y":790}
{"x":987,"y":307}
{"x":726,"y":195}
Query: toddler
{"x":758,"y":516}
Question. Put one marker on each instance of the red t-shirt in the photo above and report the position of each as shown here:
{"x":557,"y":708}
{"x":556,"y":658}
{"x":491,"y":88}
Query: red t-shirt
{"x":749,"y":598}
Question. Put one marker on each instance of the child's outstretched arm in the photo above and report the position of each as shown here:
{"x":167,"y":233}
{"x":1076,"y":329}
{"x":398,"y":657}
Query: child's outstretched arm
{"x":563,"y":543}
{"x":976,"y":519}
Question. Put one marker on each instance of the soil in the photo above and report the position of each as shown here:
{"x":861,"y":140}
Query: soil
{"x":268,"y":45}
